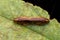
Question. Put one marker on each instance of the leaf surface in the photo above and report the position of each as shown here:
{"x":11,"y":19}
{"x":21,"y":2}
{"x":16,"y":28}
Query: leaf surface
{"x":10,"y":9}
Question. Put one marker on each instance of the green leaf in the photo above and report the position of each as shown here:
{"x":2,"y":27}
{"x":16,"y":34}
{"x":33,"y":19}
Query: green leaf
{"x":10,"y":9}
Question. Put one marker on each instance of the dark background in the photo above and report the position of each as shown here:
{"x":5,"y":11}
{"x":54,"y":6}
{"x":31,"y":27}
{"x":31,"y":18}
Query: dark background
{"x":52,"y":6}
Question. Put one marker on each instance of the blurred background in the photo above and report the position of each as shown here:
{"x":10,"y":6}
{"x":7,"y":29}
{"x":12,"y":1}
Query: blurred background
{"x":52,"y":6}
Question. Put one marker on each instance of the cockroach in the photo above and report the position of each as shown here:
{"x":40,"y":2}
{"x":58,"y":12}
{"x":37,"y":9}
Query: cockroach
{"x":33,"y":20}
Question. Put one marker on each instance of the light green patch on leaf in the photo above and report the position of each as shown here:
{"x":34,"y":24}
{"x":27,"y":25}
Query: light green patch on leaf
{"x":10,"y":9}
{"x":15,"y":8}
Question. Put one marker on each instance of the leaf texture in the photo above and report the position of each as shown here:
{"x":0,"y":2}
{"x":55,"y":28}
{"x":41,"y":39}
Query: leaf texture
{"x":10,"y":9}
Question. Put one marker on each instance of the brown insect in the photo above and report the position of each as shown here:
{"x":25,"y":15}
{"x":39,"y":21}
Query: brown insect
{"x":27,"y":20}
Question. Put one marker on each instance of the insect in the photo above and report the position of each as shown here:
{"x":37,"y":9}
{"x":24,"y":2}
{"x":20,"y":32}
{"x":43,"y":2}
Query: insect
{"x":33,"y":20}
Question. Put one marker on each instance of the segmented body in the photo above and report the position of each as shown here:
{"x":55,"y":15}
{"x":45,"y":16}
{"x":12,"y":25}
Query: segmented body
{"x":34,"y":20}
